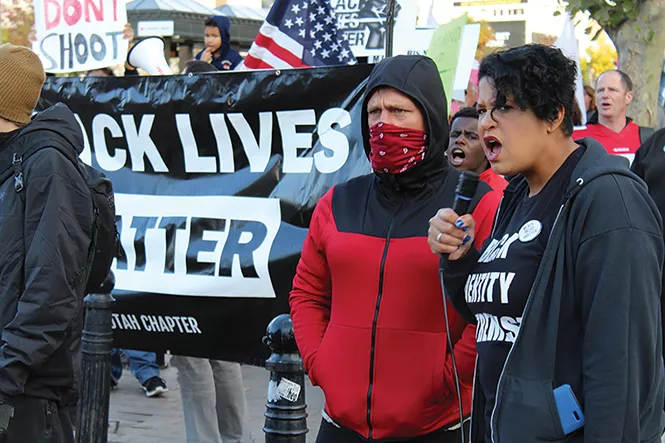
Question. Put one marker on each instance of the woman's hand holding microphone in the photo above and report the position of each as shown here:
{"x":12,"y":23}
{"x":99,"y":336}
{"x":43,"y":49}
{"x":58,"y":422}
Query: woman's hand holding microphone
{"x":451,"y":234}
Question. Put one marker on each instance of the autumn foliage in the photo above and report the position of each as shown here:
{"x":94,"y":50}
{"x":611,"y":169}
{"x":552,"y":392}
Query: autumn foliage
{"x":16,"y":20}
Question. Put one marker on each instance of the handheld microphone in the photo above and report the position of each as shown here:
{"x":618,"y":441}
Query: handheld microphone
{"x":466,"y":189}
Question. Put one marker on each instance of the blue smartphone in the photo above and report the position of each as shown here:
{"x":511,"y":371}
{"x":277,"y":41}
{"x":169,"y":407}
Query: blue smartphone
{"x":569,"y":409}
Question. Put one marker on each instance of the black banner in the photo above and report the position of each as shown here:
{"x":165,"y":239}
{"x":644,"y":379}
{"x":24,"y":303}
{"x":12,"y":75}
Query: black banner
{"x":216,"y":177}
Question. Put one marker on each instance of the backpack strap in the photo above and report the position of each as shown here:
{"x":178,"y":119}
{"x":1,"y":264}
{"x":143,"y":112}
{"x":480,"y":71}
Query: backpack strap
{"x":20,"y":157}
{"x":55,"y":141}
{"x":17,"y":163}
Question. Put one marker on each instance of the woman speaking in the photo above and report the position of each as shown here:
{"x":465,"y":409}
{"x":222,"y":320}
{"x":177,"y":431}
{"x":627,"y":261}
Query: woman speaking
{"x":565,"y":292}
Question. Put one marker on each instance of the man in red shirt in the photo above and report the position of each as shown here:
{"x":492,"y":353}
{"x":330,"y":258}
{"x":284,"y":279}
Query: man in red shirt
{"x":610,"y":126}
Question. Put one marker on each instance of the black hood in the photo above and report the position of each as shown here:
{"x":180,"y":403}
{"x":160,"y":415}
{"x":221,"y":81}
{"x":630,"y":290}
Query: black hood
{"x":418,"y":77}
{"x":595,"y":162}
{"x":59,"y":119}
{"x":224,"y":25}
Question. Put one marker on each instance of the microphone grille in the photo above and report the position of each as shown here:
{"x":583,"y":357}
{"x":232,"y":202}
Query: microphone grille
{"x":467,"y":184}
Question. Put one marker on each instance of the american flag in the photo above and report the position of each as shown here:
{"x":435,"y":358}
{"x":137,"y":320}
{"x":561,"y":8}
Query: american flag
{"x":299,"y":34}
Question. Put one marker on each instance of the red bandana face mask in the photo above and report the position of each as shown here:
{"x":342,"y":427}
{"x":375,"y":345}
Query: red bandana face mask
{"x":394,"y":149}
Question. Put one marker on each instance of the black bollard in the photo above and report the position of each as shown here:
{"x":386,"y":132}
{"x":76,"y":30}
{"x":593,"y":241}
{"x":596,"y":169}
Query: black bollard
{"x":286,"y":411}
{"x":93,"y":406}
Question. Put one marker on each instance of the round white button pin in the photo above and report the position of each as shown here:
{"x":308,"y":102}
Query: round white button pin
{"x":530,"y":230}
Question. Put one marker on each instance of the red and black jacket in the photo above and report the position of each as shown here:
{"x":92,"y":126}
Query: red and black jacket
{"x":366,"y":303}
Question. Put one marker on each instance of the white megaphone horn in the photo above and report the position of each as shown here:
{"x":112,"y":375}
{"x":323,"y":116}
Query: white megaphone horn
{"x":148,"y":54}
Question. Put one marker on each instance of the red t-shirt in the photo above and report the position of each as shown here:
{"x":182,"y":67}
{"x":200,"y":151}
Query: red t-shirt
{"x":624,"y":143}
{"x":496,"y":182}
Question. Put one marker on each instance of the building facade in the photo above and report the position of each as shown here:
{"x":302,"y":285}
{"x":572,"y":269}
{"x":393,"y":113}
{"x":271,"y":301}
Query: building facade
{"x":515,"y":22}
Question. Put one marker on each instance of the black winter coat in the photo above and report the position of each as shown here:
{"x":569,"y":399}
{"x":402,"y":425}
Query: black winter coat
{"x":592,"y":319}
{"x":45,"y":232}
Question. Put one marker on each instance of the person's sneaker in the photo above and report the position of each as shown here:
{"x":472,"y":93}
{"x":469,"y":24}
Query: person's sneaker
{"x":154,"y":387}
{"x":114,"y":383}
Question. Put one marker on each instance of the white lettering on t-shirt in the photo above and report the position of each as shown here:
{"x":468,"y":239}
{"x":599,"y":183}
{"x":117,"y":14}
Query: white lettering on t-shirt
{"x":493,"y":328}
{"x":480,"y":287}
{"x":506,"y":278}
{"x":498,"y":248}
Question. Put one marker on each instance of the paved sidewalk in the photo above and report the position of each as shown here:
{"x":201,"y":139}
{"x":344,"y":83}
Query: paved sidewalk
{"x":134,"y":418}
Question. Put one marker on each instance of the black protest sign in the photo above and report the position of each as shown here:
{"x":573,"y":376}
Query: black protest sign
{"x":216,"y":177}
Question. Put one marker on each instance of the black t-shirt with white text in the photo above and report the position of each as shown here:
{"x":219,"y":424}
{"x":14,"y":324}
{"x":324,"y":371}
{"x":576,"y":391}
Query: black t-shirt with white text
{"x":499,"y":285}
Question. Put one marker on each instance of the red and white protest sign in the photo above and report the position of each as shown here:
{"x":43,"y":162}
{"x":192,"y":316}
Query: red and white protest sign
{"x":80,"y":35}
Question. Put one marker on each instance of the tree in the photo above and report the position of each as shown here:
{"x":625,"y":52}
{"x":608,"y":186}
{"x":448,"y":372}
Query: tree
{"x":16,"y":19}
{"x":601,"y":57}
{"x":635,"y":27}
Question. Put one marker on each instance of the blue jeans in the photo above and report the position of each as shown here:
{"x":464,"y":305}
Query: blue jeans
{"x":142,"y":364}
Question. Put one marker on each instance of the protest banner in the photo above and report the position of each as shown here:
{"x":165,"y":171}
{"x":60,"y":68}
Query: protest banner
{"x":216,"y":177}
{"x":568,"y":44}
{"x":444,"y":49}
{"x":79,"y":35}
{"x":364,"y":24}
{"x":467,"y":57}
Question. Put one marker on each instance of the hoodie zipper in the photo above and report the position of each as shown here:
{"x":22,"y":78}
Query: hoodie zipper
{"x":49,"y":418}
{"x":519,"y":331}
{"x":376,"y":318}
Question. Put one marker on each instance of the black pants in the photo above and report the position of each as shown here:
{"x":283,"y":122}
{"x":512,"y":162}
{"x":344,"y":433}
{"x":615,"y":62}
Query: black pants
{"x":38,"y":420}
{"x":329,"y":433}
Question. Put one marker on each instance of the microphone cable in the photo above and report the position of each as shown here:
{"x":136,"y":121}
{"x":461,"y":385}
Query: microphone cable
{"x":452,"y":355}
{"x":467,"y":184}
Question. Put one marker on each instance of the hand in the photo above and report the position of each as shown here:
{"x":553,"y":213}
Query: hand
{"x":451,"y":234}
{"x":206,"y":56}
{"x":128,"y":32}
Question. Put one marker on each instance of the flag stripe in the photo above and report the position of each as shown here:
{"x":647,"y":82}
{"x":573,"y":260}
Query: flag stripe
{"x":278,"y":51}
{"x":272,"y":32}
{"x":257,"y":63}
{"x":298,"y":34}
{"x":264,"y":54}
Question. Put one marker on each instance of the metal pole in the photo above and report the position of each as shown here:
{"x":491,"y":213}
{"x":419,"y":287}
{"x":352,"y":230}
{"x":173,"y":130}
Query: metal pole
{"x":390,"y":28}
{"x":286,"y":411}
{"x":96,"y":347}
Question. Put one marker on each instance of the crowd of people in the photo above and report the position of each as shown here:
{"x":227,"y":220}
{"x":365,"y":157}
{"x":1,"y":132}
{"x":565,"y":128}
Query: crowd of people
{"x":551,"y":285}
{"x":553,"y":279}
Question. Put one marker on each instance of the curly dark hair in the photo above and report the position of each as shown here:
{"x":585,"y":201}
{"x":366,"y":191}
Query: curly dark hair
{"x":465,"y":112}
{"x":536,"y":77}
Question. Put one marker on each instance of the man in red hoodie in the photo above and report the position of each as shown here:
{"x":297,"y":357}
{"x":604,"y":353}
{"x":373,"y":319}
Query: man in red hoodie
{"x":366,"y":303}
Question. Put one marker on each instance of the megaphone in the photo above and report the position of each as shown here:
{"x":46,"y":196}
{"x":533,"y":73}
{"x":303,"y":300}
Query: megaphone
{"x":148,"y":54}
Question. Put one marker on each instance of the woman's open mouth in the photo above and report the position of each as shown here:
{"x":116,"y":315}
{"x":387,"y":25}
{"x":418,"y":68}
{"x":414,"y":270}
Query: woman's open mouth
{"x":457,"y":157}
{"x":492,"y":148}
